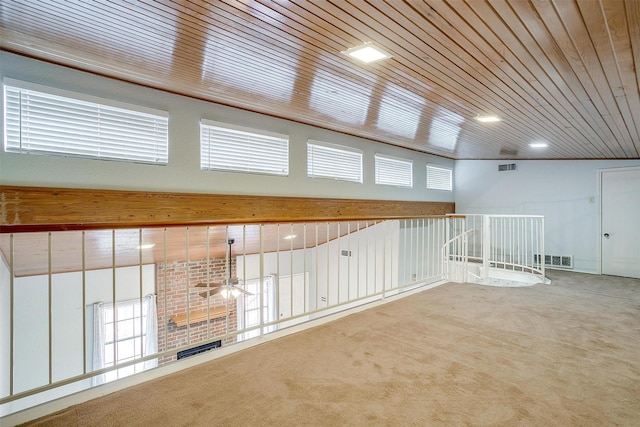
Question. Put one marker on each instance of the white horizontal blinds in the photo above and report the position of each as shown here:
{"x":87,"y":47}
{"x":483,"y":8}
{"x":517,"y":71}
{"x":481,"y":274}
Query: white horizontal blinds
{"x":439,"y":178}
{"x":55,"y":122}
{"x":333,"y":162}
{"x":233,"y":148}
{"x":393,"y":171}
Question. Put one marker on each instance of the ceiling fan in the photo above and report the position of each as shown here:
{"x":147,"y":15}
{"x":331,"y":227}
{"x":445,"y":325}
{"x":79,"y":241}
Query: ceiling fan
{"x":229,"y":287}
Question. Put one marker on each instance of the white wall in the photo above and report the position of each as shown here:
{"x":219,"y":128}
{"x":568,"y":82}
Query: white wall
{"x":5,"y":323}
{"x":183,"y":173}
{"x":420,"y":243}
{"x":287,"y":263}
{"x":331,"y":277}
{"x":371,"y":268}
{"x":564,"y":191}
{"x":31,"y":326}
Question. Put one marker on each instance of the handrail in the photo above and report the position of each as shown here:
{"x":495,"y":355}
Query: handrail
{"x":507,"y":242}
{"x":462,"y":256}
{"x":457,"y":237}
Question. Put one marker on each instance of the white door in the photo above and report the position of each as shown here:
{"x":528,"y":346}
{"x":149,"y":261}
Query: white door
{"x":620,"y":224}
{"x":291,"y":295}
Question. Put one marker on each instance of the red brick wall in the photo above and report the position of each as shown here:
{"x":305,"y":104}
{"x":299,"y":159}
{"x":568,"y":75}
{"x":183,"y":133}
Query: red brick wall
{"x":171,"y":280}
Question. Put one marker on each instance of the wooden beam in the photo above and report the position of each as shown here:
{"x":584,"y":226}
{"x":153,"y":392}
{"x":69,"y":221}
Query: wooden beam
{"x":51,"y":209}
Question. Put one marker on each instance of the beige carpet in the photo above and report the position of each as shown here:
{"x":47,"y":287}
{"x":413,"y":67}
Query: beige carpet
{"x":561,"y":355}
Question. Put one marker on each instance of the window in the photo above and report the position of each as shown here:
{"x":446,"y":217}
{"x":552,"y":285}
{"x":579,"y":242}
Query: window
{"x":225,"y":147}
{"x":393,"y":171}
{"x":41,"y":120}
{"x":249,"y":307}
{"x":439,"y":178}
{"x":333,"y":162}
{"x":124,"y":332}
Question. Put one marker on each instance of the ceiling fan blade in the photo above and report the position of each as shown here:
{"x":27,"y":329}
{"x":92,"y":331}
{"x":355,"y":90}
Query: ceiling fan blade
{"x":211,"y":292}
{"x":242,"y":290}
{"x":211,"y":285}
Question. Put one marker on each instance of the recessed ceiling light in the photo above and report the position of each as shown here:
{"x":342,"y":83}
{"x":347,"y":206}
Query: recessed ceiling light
{"x":290,"y":236}
{"x":146,"y":246}
{"x":368,"y":52}
{"x":487,"y":119}
{"x":538,"y":145}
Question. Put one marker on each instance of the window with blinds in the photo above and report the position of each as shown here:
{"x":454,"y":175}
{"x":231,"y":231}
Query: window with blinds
{"x":393,"y":171}
{"x":335,"y":162}
{"x":225,"y":147}
{"x":439,"y":178}
{"x":48,"y":121}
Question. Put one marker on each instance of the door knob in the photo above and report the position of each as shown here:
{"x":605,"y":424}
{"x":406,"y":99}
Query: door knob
{"x":606,"y":235}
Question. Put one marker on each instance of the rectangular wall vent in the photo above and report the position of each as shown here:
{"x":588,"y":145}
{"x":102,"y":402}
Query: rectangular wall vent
{"x":555,"y":261}
{"x":345,"y":253}
{"x":199,"y":349}
{"x":507,"y":167}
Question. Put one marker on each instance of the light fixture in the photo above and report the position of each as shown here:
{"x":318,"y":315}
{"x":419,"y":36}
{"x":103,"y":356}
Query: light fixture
{"x":367,"y":53}
{"x":146,"y":246}
{"x":229,"y":287}
{"x":290,"y":236}
{"x":487,"y":119}
{"x":538,"y":145}
{"x":227,"y":293}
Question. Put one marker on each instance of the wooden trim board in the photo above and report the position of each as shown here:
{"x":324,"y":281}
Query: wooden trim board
{"x":180,"y":320}
{"x":51,"y":209}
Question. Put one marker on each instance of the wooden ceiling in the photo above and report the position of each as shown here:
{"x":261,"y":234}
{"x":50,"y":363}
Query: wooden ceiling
{"x":563,"y":72}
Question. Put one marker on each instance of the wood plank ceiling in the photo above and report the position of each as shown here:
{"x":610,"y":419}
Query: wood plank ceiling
{"x":562,"y":72}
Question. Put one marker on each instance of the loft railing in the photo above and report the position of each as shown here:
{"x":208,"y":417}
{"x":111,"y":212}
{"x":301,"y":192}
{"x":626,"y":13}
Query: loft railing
{"x":501,"y":246}
{"x":84,"y":307}
{"x":455,"y":250}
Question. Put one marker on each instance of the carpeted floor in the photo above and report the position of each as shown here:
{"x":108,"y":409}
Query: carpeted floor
{"x":567,"y":354}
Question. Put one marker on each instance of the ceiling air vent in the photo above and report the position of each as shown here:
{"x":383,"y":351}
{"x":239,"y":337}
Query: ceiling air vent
{"x":505,"y":151}
{"x":507,"y":167}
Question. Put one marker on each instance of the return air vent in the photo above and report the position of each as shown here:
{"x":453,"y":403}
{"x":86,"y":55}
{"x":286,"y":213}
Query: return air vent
{"x":504,"y":151}
{"x":507,"y":167}
{"x":199,"y":349}
{"x":557,"y":261}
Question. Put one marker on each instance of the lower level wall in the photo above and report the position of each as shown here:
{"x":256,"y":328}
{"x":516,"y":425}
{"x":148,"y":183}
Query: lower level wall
{"x":172,"y":281}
